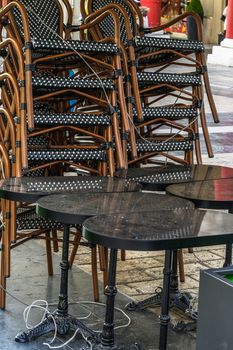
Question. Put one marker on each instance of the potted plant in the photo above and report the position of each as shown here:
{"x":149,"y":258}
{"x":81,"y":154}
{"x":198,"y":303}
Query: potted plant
{"x":194,"y":6}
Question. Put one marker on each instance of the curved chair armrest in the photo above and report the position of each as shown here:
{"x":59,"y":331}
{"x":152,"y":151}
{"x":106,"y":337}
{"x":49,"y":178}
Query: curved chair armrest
{"x":7,"y":11}
{"x":97,"y":17}
{"x":112,"y":9}
{"x":5,"y":162}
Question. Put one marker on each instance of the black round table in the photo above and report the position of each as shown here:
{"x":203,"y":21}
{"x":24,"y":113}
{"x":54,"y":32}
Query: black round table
{"x":30,"y":189}
{"x":74,"y":209}
{"x":160,"y":230}
{"x":157,"y":178}
{"x":211,"y":194}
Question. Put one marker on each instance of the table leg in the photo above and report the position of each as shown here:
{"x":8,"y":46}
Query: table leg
{"x":180,"y":300}
{"x":228,"y":255}
{"x":107,"y":336}
{"x":164,"y":318}
{"x":64,"y":321}
{"x":176,"y":298}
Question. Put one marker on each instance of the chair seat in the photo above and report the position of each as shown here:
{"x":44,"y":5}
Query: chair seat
{"x":171,"y":113}
{"x":66,"y":154}
{"x":144,"y":146}
{"x":77,"y":119}
{"x":148,"y":78}
{"x":38,"y":141}
{"x":58,"y":45}
{"x":57,"y":83}
{"x":33,"y":173}
{"x":48,"y":185}
{"x":149,"y":44}
{"x":27,"y":219}
{"x":156,"y":175}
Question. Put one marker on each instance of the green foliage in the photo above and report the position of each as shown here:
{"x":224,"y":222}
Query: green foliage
{"x":196,"y":6}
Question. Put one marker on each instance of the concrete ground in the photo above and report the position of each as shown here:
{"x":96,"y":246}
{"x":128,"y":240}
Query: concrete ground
{"x":137,"y":277}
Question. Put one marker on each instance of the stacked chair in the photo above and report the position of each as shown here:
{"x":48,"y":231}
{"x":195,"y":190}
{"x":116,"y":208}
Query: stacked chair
{"x":94,"y":106}
{"x":153,"y":87}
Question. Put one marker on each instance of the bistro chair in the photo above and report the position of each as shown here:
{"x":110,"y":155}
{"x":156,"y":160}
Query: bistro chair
{"x":157,"y":86}
{"x":152,"y":51}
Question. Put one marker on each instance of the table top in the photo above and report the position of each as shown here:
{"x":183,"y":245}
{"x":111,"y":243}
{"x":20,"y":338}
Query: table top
{"x":74,"y":209}
{"x":211,"y":194}
{"x":160,"y":230}
{"x":30,"y":189}
{"x":157,"y":178}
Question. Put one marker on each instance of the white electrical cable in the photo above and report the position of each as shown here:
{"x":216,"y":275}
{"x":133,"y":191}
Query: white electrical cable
{"x":115,"y":308}
{"x":38,"y":304}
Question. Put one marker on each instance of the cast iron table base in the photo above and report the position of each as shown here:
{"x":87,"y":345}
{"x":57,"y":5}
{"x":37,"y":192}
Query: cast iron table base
{"x":64,"y":321}
{"x":177,"y":299}
{"x":107,"y":335}
{"x":64,"y":325}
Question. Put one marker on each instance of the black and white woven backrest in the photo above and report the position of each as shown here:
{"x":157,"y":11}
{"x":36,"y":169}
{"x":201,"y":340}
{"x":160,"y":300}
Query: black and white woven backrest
{"x":43,"y":17}
{"x":107,"y":25}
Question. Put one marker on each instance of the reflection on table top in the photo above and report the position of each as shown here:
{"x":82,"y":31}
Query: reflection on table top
{"x":160,"y":230}
{"x":74,"y":209}
{"x":216,"y":194}
{"x":29,"y":189}
{"x":158,"y":177}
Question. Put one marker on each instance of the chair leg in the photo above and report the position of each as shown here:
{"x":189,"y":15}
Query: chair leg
{"x":181,"y":265}
{"x":123,"y":255}
{"x":103,"y":258}
{"x":49,"y":254}
{"x":95,"y":284}
{"x":55,"y":242}
{"x":3,"y":284}
{"x":204,"y":126}
{"x":190,"y":250}
{"x":197,"y":144}
{"x":210,"y":98}
{"x":6,"y":241}
{"x":76,"y":241}
{"x":202,"y":58}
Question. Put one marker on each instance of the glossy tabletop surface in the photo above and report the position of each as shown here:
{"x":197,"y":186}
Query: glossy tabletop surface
{"x":215,"y":194}
{"x":160,"y":230}
{"x":157,"y":178}
{"x":74,"y":209}
{"x":30,"y":189}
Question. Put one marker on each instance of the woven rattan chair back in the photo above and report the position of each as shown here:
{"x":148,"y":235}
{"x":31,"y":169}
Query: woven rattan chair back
{"x":45,"y":18}
{"x":107,"y":25}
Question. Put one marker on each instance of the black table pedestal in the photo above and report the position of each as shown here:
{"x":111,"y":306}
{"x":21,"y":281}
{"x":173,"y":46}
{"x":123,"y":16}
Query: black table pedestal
{"x":177,"y":299}
{"x":107,"y":335}
{"x":228,"y":255}
{"x":64,"y":322}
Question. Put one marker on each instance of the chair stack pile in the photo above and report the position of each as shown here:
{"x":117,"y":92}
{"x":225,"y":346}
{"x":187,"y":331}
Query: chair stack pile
{"x":96,"y":105}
